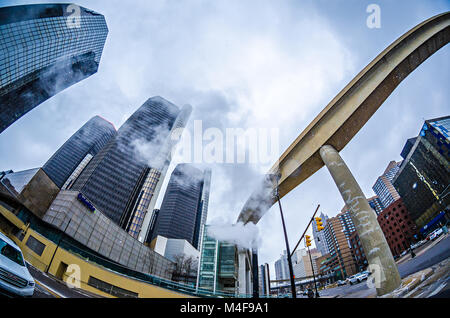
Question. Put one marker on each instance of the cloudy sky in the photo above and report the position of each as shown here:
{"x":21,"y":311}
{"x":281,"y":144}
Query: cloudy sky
{"x":246,"y":64}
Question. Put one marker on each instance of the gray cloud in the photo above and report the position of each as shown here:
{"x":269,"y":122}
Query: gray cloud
{"x":246,"y":64}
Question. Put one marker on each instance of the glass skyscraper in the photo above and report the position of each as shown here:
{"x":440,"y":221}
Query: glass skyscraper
{"x":184,"y":207}
{"x":423,"y":180}
{"x":85,"y":143}
{"x":118,"y":179}
{"x":45,"y":48}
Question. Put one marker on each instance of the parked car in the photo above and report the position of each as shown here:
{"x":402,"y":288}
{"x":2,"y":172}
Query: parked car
{"x":358,"y":278}
{"x":435,"y":234}
{"x":351,"y":280}
{"x":340,"y":282}
{"x":418,"y":244}
{"x":363,"y":275}
{"x":15,"y":279}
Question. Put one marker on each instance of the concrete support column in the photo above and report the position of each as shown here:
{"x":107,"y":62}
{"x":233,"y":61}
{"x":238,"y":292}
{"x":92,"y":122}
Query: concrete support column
{"x":385,"y":276}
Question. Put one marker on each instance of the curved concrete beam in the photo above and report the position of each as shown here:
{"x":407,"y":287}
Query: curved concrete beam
{"x":348,"y":112}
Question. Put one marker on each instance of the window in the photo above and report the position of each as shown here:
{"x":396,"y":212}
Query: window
{"x":19,"y":234}
{"x":111,"y":289}
{"x":11,"y":253}
{"x":35,"y":245}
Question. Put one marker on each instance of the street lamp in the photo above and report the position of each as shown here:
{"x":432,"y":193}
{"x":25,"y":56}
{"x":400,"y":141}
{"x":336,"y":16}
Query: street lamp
{"x":288,"y":251}
{"x":57,"y":246}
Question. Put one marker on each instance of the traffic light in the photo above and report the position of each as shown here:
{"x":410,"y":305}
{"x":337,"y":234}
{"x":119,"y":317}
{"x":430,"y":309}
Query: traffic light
{"x":308,"y":240}
{"x":319,"y":224}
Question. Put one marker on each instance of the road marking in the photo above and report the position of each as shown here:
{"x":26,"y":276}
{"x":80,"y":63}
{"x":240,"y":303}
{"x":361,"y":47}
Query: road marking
{"x":50,"y":290}
{"x":437,"y":290}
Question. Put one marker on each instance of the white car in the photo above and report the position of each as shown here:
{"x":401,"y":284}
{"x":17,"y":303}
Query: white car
{"x":14,"y":276}
{"x":436,"y":234}
{"x":358,"y":278}
{"x":352,"y":279}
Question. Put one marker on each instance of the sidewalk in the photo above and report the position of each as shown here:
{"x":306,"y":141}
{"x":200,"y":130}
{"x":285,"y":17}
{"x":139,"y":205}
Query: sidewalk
{"x":425,"y":283}
{"x":422,"y":284}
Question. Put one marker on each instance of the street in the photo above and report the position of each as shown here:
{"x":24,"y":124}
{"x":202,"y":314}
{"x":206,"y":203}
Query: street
{"x":426,"y":256}
{"x":48,"y":287}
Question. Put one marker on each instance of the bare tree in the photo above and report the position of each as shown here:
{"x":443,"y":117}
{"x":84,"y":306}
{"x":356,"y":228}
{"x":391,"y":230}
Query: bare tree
{"x":185,"y":268}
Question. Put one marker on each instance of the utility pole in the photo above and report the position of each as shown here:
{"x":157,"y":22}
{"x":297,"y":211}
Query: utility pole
{"x":288,"y":252}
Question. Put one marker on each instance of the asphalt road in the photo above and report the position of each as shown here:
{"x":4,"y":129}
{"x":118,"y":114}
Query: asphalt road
{"x":48,"y":287}
{"x":431,"y":256}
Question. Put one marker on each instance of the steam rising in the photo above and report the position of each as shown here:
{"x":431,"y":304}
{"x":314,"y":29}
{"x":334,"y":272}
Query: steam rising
{"x":244,"y":236}
{"x":152,"y":152}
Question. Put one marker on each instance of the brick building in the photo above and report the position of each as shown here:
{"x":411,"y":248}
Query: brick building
{"x":398,"y":227}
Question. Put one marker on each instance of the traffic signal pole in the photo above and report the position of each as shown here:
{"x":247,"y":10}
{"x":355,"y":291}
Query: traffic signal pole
{"x":314,"y":276}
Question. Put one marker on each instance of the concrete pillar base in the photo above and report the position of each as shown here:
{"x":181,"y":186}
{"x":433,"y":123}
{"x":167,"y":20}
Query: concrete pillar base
{"x":385,"y":276}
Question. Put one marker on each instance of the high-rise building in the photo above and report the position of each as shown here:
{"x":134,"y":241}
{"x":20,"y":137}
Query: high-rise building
{"x":45,"y":49}
{"x":124,"y":177}
{"x":282,"y":267}
{"x":346,"y":221}
{"x":319,"y":236}
{"x":337,"y":234}
{"x":202,"y":213}
{"x":423,"y":180}
{"x":152,"y":224}
{"x":78,"y":149}
{"x":358,"y":253}
{"x":375,"y":204}
{"x":264,"y":279}
{"x":184,"y":207}
{"x":383,"y":186}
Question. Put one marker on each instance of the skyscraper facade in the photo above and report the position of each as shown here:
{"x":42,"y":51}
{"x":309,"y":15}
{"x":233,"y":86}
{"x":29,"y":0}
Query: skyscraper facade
{"x":337,"y":234}
{"x":383,"y":186}
{"x":82,"y":145}
{"x":182,"y":212}
{"x":118,"y":179}
{"x":264,"y":280}
{"x":282,"y":267}
{"x":423,"y":180}
{"x":45,"y":49}
{"x":375,"y":204}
